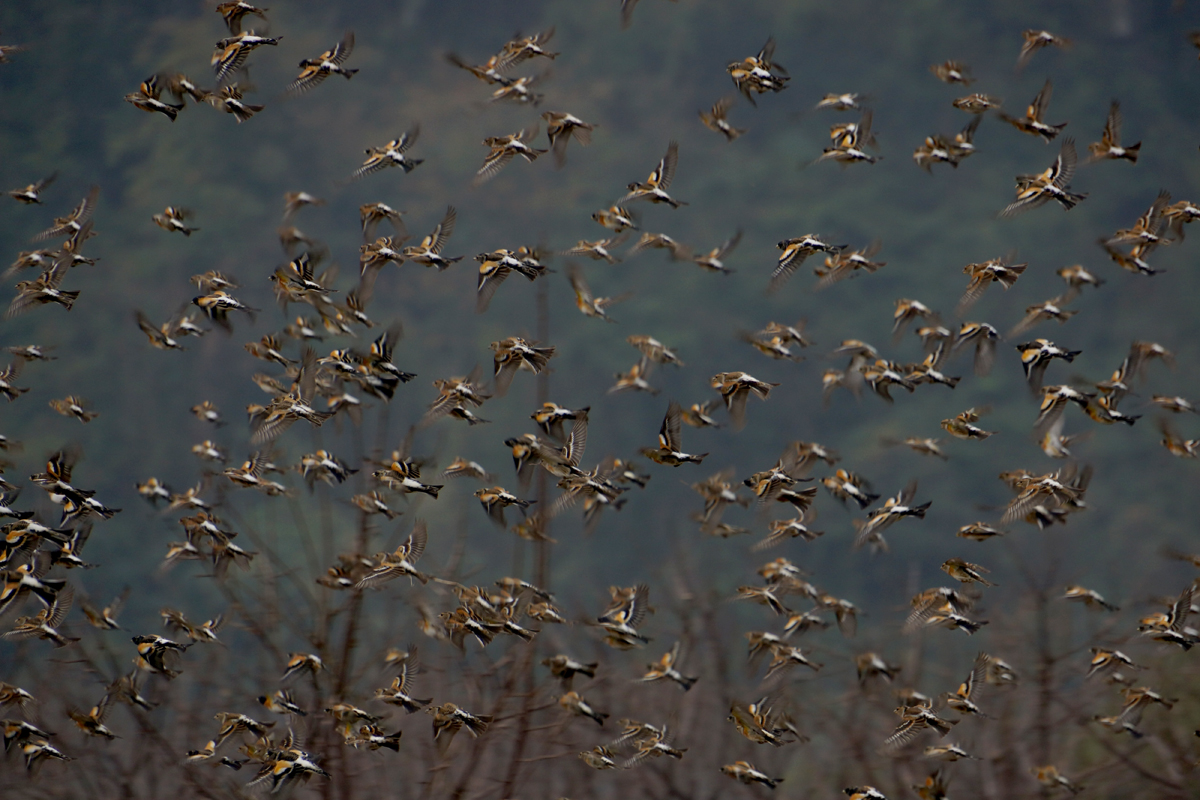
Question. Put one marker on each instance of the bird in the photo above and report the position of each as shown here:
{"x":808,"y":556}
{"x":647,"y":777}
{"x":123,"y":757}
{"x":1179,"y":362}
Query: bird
{"x":1146,"y":232}
{"x":1036,"y":40}
{"x":849,"y":141}
{"x":759,"y":73}
{"x":747,"y":773}
{"x":965,"y":572}
{"x":390,"y":154}
{"x":1089,"y":597}
{"x":74,"y":406}
{"x":1109,"y":146}
{"x":963,"y":426}
{"x":1036,"y":357}
{"x":893,"y":509}
{"x":231,"y":52}
{"x":1170,"y":628}
{"x":870,"y":665}
{"x":495,"y":500}
{"x":735,"y":389}
{"x":984,"y":274}
{"x":600,"y":249}
{"x":1051,"y":778}
{"x":371,"y":214}
{"x":1049,"y":310}
{"x":45,"y":624}
{"x":566,"y":668}
{"x":599,"y":757}
{"x":32,"y":194}
{"x":714,"y":260}
{"x":235,"y":11}
{"x":665,"y":668}
{"x":794,"y":251}
{"x":845,"y":101}
{"x":953,"y":72}
{"x":449,"y":719}
{"x":400,"y":562}
{"x":976,"y":103}
{"x":715,"y":119}
{"x":841,"y":265}
{"x":586,"y":302}
{"x":573,"y":702}
{"x":914,"y":719}
{"x":316,"y":70}
{"x":561,"y":128}
{"x":669,"y":441}
{"x":1032,"y":123}
{"x":147,"y":99}
{"x":429,"y":250}
{"x":514,"y":353}
{"x":1053,"y":183}
{"x":155,"y":653}
{"x":503,"y":149}
{"x":229,"y":100}
{"x":172,"y":219}
{"x":654,"y":188}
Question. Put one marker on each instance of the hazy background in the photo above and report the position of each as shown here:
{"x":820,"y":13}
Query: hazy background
{"x":61,"y":109}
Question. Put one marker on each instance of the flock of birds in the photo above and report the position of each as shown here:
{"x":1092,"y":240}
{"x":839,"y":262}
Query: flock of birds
{"x":38,"y":557}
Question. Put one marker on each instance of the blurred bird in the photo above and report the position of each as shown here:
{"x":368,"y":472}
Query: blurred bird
{"x":747,"y":773}
{"x":229,"y":100}
{"x":757,"y":74}
{"x":870,"y":665}
{"x":976,"y":103}
{"x":74,"y":406}
{"x":586,"y":302}
{"x":1036,"y":40}
{"x":849,"y":141}
{"x":665,"y":668}
{"x":449,"y":719}
{"x":713,"y":260}
{"x":234,"y":12}
{"x":172,"y":219}
{"x":561,"y":127}
{"x":1032,"y":122}
{"x":715,"y":119}
{"x":953,"y":72}
{"x":1089,"y":597}
{"x":736,"y":388}
{"x":1050,"y":777}
{"x":600,"y":249}
{"x":963,"y":427}
{"x":599,"y":757}
{"x":1049,"y":310}
{"x":573,"y":702}
{"x":839,"y":102}
{"x":32,"y":194}
{"x":402,"y":561}
{"x":1109,"y":146}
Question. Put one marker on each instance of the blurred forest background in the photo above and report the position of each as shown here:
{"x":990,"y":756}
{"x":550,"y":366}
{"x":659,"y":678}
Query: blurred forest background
{"x":62,"y":111}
